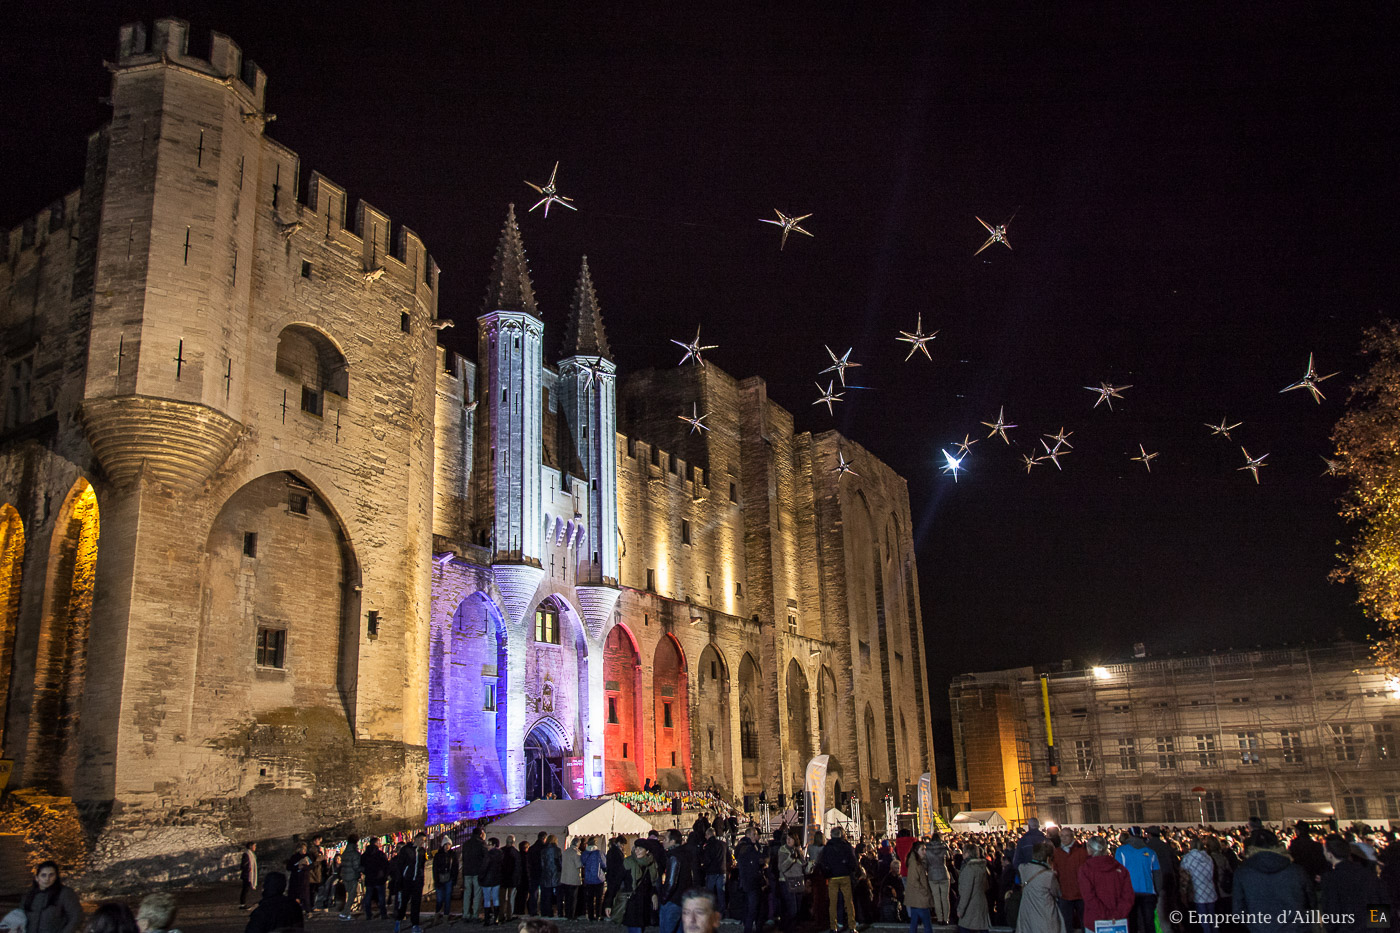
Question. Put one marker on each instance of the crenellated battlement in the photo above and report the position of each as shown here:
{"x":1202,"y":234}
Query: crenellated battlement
{"x":655,"y":463}
{"x":168,"y":42}
{"x":36,"y":230}
{"x":398,"y":250}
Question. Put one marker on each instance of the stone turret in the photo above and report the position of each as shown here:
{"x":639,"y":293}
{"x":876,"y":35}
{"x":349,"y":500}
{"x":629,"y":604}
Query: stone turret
{"x":588,"y":396}
{"x":509,"y":446}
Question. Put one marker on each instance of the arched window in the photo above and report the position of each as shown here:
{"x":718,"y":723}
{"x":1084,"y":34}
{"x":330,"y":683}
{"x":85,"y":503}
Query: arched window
{"x":308,"y":357}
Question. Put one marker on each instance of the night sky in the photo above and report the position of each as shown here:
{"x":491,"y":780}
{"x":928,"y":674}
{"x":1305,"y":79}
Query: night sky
{"x":1201,"y":197}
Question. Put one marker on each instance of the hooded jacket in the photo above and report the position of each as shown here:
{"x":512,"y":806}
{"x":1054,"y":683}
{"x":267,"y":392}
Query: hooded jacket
{"x":1106,"y":888}
{"x":1040,"y":904}
{"x":973,"y":912}
{"x":1268,"y":882}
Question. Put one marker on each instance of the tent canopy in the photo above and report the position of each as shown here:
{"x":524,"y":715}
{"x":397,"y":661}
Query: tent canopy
{"x":979,"y":820}
{"x":570,"y":818}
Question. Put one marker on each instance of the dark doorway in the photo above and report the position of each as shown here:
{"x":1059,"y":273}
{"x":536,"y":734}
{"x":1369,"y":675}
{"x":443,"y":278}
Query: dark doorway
{"x":544,"y":766}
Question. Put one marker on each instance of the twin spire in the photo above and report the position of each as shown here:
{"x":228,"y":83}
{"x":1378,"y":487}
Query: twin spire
{"x":510,"y":289}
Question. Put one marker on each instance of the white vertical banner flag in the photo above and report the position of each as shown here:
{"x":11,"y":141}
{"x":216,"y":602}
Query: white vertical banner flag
{"x":816,"y":798}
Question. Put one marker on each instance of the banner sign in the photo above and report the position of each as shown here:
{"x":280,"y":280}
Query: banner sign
{"x":816,"y":798}
{"x":925,"y":804}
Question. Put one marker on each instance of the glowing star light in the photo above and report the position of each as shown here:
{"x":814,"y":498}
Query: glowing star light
{"x":998,"y":233}
{"x":1032,"y":462}
{"x":918,"y":340}
{"x":1252,"y":464}
{"x":952,"y":464}
{"x":843,"y":466}
{"x":1334,"y":467}
{"x":694,"y":349}
{"x":1000,"y":426}
{"x":965,"y":444}
{"x":1223,"y":429}
{"x":840,"y":364}
{"x":1053,"y":454}
{"x":1107,"y":393}
{"x":551,"y":193}
{"x":696,"y":420}
{"x":788,"y":224}
{"x":827,"y":396}
{"x":1061,"y":439}
{"x":1309,"y":381}
{"x":1145,"y":458}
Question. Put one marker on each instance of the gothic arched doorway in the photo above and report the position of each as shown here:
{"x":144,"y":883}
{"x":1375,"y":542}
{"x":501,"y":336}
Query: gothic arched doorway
{"x":544,"y":762}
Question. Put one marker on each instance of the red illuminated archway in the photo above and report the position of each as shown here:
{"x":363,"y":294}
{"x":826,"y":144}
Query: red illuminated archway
{"x":622,"y":732}
{"x":671,"y":700}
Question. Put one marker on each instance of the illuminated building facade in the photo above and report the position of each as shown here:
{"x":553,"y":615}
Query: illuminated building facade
{"x":1214,"y":737}
{"x":272,"y":559}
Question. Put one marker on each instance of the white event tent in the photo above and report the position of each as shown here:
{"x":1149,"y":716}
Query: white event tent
{"x":569,"y":819}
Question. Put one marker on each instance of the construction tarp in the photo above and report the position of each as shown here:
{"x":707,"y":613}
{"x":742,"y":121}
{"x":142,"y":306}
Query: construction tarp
{"x":569,"y":819}
{"x":979,"y":821}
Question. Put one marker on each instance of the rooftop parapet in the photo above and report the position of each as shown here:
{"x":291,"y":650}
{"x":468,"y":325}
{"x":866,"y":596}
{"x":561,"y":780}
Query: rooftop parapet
{"x":168,"y":41}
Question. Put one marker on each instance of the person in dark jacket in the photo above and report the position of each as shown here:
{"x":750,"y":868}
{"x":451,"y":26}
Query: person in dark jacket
{"x":298,"y":867}
{"x":642,"y":882}
{"x":446,"y":866}
{"x":681,"y":875}
{"x":523,"y":879}
{"x":510,"y":870}
{"x":714,"y":866}
{"x":473,"y":857}
{"x":491,"y":874}
{"x":410,"y":868}
{"x":276,"y":911}
{"x":112,"y":917}
{"x":1031,"y":838}
{"x":375,"y":866}
{"x":615,"y":874}
{"x":533,"y":869}
{"x":247,"y":873}
{"x":1307,"y":852}
{"x":1349,"y":889}
{"x":751,"y":859}
{"x":838,"y":863}
{"x":49,"y":905}
{"x":1269,"y":883}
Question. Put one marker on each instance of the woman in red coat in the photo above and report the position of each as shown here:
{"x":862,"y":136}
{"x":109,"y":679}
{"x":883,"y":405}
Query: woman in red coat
{"x":1105,"y":886}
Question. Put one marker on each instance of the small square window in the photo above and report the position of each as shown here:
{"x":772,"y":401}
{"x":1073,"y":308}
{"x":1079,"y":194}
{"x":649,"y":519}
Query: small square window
{"x":612,"y":709}
{"x":738,"y":589}
{"x":250,"y":544}
{"x":707,"y":582}
{"x":685,"y":531}
{"x":673,"y":759}
{"x":666,"y":715}
{"x":310,"y":400}
{"x":624,"y":749}
{"x":305,"y":269}
{"x":298,"y":503}
{"x":651,"y":580}
{"x":272,"y":645}
{"x":489,"y":698}
{"x":733,"y":492}
{"x":405,"y":323}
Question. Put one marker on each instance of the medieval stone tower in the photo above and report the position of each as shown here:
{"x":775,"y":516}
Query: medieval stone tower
{"x":273,"y":560}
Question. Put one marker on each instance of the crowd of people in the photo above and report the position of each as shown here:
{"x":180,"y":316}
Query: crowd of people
{"x":1052,"y":880}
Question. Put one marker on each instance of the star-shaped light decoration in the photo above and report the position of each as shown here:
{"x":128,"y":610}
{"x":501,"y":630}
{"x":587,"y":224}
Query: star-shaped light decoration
{"x":952,"y":464}
{"x":788,"y":224}
{"x":1000,"y":426}
{"x":1107,"y":393}
{"x":965,"y":444}
{"x":998,"y":233}
{"x":695,"y":420}
{"x":1053,"y":454}
{"x":1062,"y":439}
{"x":1333,"y":468}
{"x":551,"y":193}
{"x":1309,"y":381}
{"x":1222,"y":428}
{"x":1032,"y":462}
{"x":843,"y":466}
{"x":694,"y":349}
{"x":840,"y":364}
{"x":1145,"y":458}
{"x":592,"y":371}
{"x":1252,"y":464}
{"x":918,"y":340}
{"x":828,"y":396}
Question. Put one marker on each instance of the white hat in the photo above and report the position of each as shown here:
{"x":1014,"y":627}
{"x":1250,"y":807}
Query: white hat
{"x":14,"y":920}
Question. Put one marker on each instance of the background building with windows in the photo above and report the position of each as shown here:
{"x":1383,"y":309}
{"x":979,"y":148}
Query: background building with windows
{"x":277,"y":558}
{"x":1216,"y":737}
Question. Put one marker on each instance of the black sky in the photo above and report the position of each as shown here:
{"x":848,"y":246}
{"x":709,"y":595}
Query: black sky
{"x":1203,"y":196}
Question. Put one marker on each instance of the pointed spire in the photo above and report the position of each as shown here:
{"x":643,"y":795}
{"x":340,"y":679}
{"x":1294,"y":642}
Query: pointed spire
{"x":583,"y":333}
{"x":509,"y":288}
